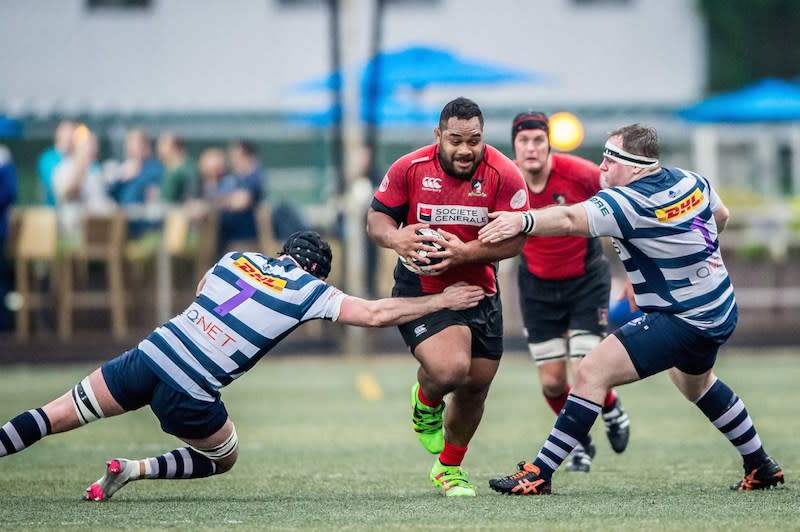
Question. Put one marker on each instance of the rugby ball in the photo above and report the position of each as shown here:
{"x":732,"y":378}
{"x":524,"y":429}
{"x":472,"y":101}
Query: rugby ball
{"x":421,"y":268}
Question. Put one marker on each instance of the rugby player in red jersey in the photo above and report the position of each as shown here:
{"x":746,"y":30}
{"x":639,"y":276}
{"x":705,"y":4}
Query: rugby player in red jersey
{"x":564,"y":281}
{"x":450,"y":186}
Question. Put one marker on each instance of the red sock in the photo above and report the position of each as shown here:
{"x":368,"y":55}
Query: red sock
{"x":611,"y":398}
{"x":452,"y":454}
{"x":557,"y":403}
{"x":425,"y":401}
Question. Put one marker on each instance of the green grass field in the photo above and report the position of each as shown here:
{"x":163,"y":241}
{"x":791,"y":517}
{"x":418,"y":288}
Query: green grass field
{"x":317,"y":455}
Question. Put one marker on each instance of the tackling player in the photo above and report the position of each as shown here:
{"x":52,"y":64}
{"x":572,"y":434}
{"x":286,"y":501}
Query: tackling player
{"x":451,"y":186}
{"x":664,"y":224}
{"x":564,"y":281}
{"x":245,"y":305}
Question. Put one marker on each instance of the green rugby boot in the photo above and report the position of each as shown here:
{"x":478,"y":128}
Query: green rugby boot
{"x":452,"y":480}
{"x":427,"y":423}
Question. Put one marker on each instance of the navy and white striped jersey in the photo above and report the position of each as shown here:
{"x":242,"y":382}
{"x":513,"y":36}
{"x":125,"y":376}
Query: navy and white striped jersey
{"x":248,"y":304}
{"x":662,"y":226}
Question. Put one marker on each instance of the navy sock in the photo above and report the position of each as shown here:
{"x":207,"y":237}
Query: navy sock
{"x":572,"y":427}
{"x":184,"y":462}
{"x":23,"y":431}
{"x":728,"y":413}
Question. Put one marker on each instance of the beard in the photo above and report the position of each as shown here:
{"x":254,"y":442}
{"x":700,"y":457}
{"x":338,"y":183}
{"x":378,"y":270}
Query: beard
{"x":464,"y":175}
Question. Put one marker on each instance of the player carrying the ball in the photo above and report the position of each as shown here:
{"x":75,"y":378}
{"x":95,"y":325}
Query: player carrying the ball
{"x":451,"y":186}
{"x":245,"y":305}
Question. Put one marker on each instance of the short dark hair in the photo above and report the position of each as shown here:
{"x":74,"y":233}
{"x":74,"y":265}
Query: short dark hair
{"x":461,"y":108}
{"x":310,"y":251}
{"x":248,"y":147}
{"x":639,"y":140}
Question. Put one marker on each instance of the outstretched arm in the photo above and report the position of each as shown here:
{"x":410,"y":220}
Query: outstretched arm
{"x":397,"y":310}
{"x":552,"y":221}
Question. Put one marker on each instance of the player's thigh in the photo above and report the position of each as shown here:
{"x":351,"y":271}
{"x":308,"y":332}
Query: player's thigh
{"x":588,"y":301}
{"x":605,"y":366}
{"x":447,"y":351}
{"x":187,"y":417}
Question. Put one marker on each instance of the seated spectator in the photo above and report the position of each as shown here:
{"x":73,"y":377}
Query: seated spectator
{"x":139,"y":180}
{"x":179,"y":182}
{"x":79,"y":185}
{"x":8,"y":195}
{"x":50,"y":159}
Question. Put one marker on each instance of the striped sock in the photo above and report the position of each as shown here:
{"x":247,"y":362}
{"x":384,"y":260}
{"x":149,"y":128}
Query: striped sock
{"x":23,"y":431}
{"x":183,"y":462}
{"x":727,"y":412}
{"x":571,"y":427}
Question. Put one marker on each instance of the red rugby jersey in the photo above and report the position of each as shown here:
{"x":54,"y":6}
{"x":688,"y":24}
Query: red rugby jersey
{"x":572,"y":180}
{"x":417,"y":190}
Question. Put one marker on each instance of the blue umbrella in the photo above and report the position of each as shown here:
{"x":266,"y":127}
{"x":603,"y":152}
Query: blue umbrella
{"x":420,"y":66}
{"x":768,"y":100}
{"x":391,"y":111}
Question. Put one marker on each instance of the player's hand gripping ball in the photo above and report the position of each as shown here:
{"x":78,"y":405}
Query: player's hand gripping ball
{"x":421,"y":268}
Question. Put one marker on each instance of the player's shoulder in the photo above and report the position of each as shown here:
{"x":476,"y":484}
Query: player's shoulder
{"x":421,"y":155}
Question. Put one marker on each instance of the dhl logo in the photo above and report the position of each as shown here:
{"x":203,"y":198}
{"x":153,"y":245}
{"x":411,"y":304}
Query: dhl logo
{"x":252,"y":272}
{"x":686,"y":205}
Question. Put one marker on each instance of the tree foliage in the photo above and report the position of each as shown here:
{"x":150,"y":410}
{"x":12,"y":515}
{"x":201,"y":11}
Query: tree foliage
{"x":751,"y":39}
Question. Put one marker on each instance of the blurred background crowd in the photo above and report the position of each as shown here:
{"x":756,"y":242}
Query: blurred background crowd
{"x":139,"y":139}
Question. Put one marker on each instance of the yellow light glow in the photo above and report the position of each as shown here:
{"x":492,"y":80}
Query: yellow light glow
{"x":566,"y":131}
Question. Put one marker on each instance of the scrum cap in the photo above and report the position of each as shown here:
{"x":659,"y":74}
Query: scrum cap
{"x":529,"y":120}
{"x":311,"y":252}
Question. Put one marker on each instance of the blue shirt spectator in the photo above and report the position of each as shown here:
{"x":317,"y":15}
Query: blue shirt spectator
{"x":8,"y":195}
{"x":52,"y":157}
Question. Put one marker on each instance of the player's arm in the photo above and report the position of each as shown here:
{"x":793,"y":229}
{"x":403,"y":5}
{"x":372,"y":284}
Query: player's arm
{"x":553,"y":221}
{"x":721,"y":217}
{"x":397,"y":310}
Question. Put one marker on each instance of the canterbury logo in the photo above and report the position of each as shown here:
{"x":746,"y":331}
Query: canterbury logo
{"x":432,"y":183}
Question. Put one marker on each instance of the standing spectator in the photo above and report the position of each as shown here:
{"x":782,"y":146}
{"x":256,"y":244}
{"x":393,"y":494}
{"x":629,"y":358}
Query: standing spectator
{"x":139,"y":179}
{"x":665,"y":225}
{"x":8,"y":195}
{"x":564,"y":281}
{"x":179,"y":182}
{"x":50,"y":159}
{"x":237,"y":195}
{"x":453,"y":184}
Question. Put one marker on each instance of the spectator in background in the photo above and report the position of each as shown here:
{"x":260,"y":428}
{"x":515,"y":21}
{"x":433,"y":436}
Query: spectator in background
{"x":139,"y":179}
{"x":237,"y":195}
{"x":79,"y":185}
{"x":8,"y":194}
{"x":52,"y":157}
{"x":179,"y":182}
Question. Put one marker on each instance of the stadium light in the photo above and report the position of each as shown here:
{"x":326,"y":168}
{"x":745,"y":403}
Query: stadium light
{"x":566,"y":131}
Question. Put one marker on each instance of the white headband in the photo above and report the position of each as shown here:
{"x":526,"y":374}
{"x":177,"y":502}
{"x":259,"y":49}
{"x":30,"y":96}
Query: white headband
{"x":623,"y":157}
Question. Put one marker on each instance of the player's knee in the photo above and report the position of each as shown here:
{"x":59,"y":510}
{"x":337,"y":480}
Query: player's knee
{"x":553,"y":386}
{"x":225,"y":454}
{"x":452,"y":375}
{"x":85,"y":402}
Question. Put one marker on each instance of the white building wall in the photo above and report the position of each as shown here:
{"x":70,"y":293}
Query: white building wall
{"x":211,"y":55}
